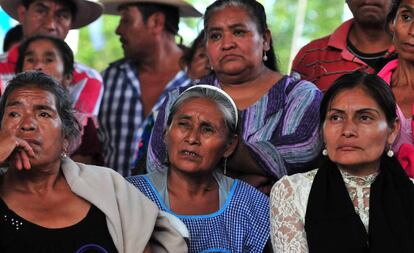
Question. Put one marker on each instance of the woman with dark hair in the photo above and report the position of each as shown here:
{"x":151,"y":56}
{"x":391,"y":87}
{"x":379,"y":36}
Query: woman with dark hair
{"x":54,"y":57}
{"x":360,"y":199}
{"x":222,"y":214}
{"x":49,"y":203}
{"x":279,"y":113}
{"x":399,"y":73}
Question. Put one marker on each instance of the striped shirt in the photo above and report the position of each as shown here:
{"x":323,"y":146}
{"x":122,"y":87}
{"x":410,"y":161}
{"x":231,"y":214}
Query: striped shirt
{"x":121,"y":117}
{"x":281,"y":129}
{"x":85,"y":90}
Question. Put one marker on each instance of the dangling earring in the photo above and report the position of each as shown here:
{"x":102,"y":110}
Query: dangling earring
{"x":390,"y":153}
{"x":63,"y":155}
{"x":225,"y":166}
{"x":265,"y":58}
{"x":324,"y":152}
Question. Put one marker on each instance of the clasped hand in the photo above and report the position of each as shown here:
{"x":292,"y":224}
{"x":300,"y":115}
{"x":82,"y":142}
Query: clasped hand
{"x":14,"y":150}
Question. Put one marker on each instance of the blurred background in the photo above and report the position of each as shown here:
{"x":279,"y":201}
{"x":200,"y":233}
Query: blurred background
{"x":293,"y":23}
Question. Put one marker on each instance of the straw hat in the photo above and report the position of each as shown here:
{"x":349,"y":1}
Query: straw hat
{"x":186,"y":10}
{"x":87,"y":11}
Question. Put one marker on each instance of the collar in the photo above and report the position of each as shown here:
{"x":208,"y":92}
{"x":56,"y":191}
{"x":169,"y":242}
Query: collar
{"x":338,"y":40}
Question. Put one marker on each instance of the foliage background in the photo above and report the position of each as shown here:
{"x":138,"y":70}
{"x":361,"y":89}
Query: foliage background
{"x":321,"y":18}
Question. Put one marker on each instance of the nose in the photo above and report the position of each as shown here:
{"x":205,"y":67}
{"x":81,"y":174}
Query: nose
{"x":49,"y":22}
{"x":27,"y":123}
{"x":193,"y":137}
{"x":228,"y":42}
{"x":118,"y":30}
{"x":38,"y":65}
{"x":349,"y":129}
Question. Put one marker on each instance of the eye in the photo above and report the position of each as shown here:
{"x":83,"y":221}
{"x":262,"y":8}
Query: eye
{"x":335,"y":117}
{"x":45,"y":115}
{"x":41,"y":10}
{"x":406,"y":17}
{"x":365,"y":117}
{"x":13,"y":114}
{"x":183,"y":124}
{"x":29,"y":60}
{"x":214,"y":36}
{"x":207,"y":129}
{"x":239,"y":32}
{"x":49,"y":60}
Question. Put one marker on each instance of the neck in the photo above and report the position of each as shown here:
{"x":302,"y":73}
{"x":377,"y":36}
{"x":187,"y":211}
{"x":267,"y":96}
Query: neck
{"x":190,"y":184}
{"x":403,"y":74}
{"x":35,"y":180}
{"x":369,"y":39}
{"x":361,"y":170}
{"x":164,"y":57}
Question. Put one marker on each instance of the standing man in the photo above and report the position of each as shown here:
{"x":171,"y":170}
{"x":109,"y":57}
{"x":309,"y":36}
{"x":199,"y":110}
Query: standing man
{"x":136,"y":85}
{"x":360,"y":43}
{"x":55,"y":18}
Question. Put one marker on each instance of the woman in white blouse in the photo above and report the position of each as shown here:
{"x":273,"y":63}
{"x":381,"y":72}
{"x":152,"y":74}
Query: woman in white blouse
{"x":360,"y":199}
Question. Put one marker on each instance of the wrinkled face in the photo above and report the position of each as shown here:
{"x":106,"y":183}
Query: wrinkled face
{"x":403,"y":30}
{"x":199,"y":66}
{"x":133,"y":33}
{"x":45,"y":17}
{"x":355,"y":130}
{"x":234,"y":45}
{"x":370,"y":12}
{"x":42,"y":55}
{"x":31,"y":114}
{"x":197,"y":138}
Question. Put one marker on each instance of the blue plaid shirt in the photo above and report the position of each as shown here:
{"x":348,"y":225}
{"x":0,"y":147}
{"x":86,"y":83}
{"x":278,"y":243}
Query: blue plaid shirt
{"x":121,"y":115}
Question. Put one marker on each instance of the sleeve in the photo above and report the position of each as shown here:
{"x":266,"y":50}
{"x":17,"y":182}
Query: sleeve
{"x":287,"y":230}
{"x":289,"y":140}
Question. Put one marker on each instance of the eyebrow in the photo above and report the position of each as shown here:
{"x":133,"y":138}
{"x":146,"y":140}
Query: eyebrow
{"x":232,"y":26}
{"x":203,"y":122}
{"x":362,"y":110}
{"x":37,"y":107}
{"x":411,"y":9}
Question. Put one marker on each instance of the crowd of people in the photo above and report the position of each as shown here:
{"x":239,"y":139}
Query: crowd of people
{"x":208,"y":148}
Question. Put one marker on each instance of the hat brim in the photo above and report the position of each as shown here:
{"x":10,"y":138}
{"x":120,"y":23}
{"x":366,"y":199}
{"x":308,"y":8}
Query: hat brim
{"x":87,"y":11}
{"x":186,"y":10}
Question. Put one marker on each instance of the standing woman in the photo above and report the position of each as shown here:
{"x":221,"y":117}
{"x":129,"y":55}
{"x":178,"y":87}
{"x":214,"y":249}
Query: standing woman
{"x":360,"y":199}
{"x":399,"y":73}
{"x":278,"y":113}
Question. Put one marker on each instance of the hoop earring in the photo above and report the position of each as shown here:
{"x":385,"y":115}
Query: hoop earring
{"x":324,"y":152}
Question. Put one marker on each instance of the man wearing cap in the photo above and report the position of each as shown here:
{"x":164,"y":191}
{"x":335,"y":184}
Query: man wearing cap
{"x":55,"y":18}
{"x":136,"y":85}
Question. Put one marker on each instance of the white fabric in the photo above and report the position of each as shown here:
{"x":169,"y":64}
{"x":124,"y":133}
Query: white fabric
{"x":288,"y":202}
{"x":132,"y":219}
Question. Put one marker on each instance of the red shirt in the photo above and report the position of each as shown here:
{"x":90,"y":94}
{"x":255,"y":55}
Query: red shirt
{"x":323,"y":60}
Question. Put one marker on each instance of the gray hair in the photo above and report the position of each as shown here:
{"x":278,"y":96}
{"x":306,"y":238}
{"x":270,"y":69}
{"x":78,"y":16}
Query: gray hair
{"x":219,"y":97}
{"x":70,"y":125}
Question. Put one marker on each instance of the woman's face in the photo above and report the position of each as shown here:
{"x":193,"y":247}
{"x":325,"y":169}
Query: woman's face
{"x":403,"y":30}
{"x":31,"y":114}
{"x":197,"y":138}
{"x":355,"y":130}
{"x":234,"y":45}
{"x":42,"y":55}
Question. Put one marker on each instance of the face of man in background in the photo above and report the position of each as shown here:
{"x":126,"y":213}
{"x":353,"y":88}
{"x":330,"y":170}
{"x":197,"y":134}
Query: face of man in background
{"x":369,"y":12}
{"x":46,"y":17}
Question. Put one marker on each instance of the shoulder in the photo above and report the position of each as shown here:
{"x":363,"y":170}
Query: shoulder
{"x":116,"y":64}
{"x":250,"y":196}
{"x":294,"y":86}
{"x":297,"y":184}
{"x":87,"y":71}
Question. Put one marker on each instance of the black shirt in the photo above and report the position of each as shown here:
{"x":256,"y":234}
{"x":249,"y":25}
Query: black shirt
{"x":89,"y":235}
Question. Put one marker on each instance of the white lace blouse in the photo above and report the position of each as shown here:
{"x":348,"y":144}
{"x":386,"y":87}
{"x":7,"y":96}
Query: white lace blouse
{"x":288,"y":202}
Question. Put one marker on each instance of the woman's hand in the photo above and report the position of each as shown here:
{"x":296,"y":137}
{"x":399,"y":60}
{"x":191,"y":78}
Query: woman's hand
{"x":15,"y":149}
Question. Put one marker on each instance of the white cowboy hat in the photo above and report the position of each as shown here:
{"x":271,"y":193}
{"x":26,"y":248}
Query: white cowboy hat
{"x":86,"y":11}
{"x":186,"y":9}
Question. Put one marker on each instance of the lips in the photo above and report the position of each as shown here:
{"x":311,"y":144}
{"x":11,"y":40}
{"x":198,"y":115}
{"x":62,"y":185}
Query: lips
{"x":348,"y":148}
{"x":408,"y":47}
{"x":190,"y":154}
{"x":230,"y":57}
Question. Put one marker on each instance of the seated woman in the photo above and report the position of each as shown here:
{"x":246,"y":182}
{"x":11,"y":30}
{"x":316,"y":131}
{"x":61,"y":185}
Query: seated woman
{"x":279,"y":126}
{"x":54,"y":57}
{"x":360,"y":199}
{"x":49,"y":203}
{"x":399,"y":74}
{"x":222,"y":214}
